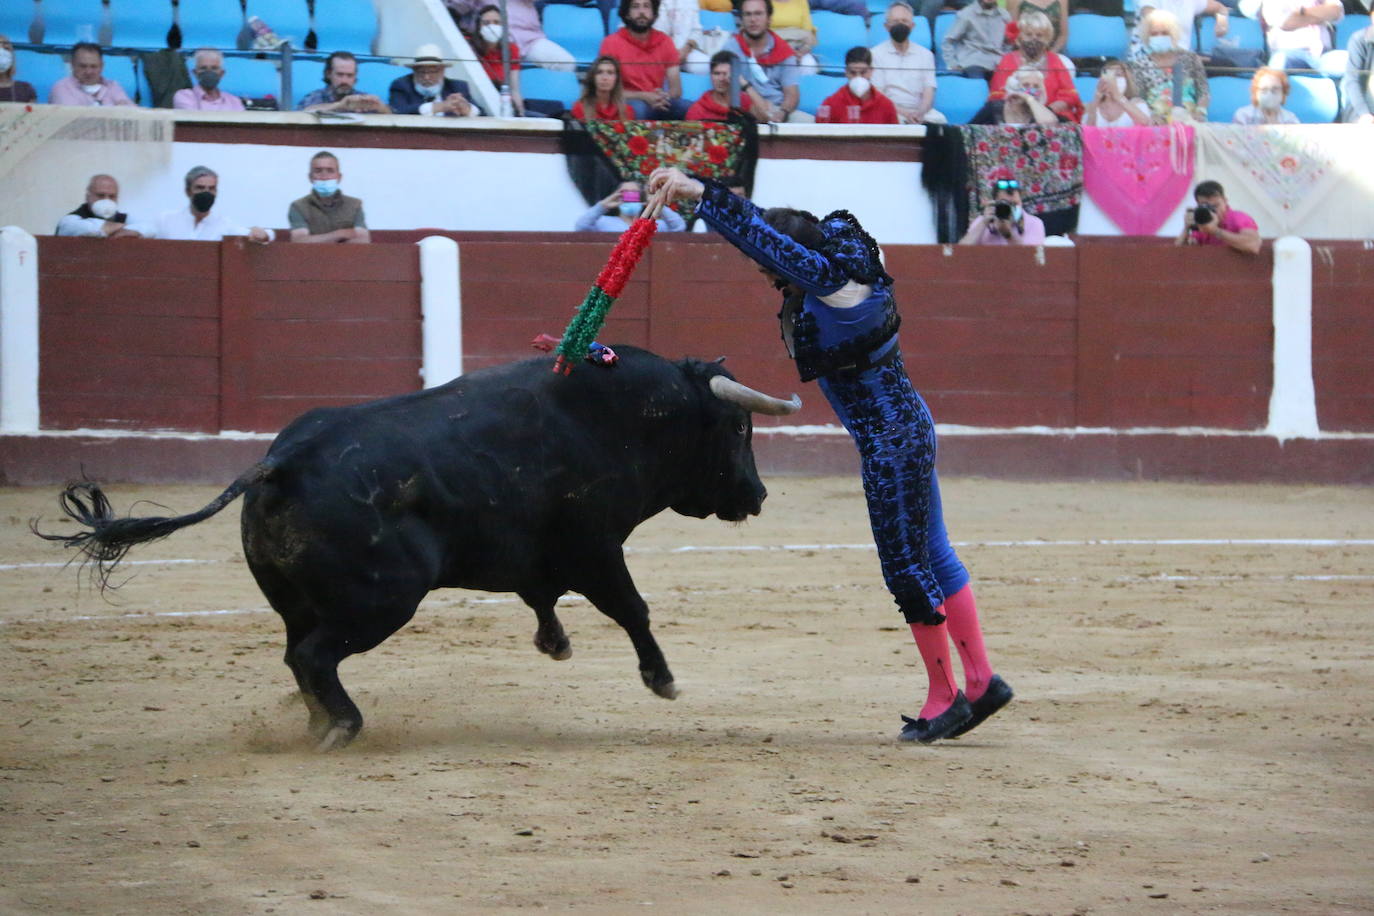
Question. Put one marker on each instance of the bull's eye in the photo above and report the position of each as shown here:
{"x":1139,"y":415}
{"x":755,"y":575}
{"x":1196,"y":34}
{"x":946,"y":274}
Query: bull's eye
{"x":742,"y":428}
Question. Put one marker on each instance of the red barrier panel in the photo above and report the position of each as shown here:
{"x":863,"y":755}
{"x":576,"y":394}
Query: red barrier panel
{"x":1343,"y":335}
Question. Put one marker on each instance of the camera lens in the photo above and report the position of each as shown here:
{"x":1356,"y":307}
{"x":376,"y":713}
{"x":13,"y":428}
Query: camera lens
{"x":1002,"y":209}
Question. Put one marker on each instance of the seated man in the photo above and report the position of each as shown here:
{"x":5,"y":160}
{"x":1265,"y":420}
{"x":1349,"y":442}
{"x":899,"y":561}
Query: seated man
{"x":427,"y":91}
{"x":87,"y":84}
{"x":206,"y":95}
{"x":1214,"y":222}
{"x":648,"y":63}
{"x":769,"y":63}
{"x":1357,"y":91}
{"x":195,"y":222}
{"x":1004,"y":221}
{"x":340,"y":92}
{"x":714,"y":104}
{"x":1297,"y":33}
{"x":977,"y":40}
{"x":326,"y":214}
{"x":99,"y":216}
{"x":857,"y":102}
{"x":903,"y":70}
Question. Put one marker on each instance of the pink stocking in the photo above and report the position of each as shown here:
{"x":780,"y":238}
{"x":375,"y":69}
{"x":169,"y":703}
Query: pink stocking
{"x":933,"y":643}
{"x":961,"y":612}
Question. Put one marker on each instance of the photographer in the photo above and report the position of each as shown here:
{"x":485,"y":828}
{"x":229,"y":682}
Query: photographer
{"x":1214,"y":222}
{"x":1004,"y":222}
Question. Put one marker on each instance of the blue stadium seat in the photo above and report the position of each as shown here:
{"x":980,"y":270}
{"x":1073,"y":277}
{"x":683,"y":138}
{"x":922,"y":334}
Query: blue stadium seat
{"x":208,"y":24}
{"x":342,"y":25}
{"x":815,"y":89}
{"x":65,"y":23}
{"x":559,"y":85}
{"x":15,"y":19}
{"x":1245,"y":33}
{"x":836,"y":33}
{"x":576,"y":28}
{"x":1346,"y":29}
{"x":1313,"y":99}
{"x":1086,"y":86}
{"x":121,"y":70}
{"x":142,"y":25}
{"x":1096,"y":36}
{"x":250,"y":78}
{"x":710,"y":20}
{"x":307,"y":76}
{"x":943,"y":23}
{"x":1228,"y":93}
{"x":41,"y":70}
{"x":694,"y":84}
{"x":289,"y":20}
{"x":958,"y":98}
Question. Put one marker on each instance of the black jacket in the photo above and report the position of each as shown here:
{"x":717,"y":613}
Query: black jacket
{"x":406,"y":99}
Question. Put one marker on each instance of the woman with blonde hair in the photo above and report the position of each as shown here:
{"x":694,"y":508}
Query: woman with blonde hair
{"x":1033,"y":52}
{"x":1117,"y":101}
{"x":603,"y":96}
{"x":1153,"y":63}
{"x":1268,"y":92}
{"x":12,"y":90}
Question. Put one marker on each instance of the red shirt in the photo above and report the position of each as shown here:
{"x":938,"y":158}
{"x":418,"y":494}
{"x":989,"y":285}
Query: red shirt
{"x":605,"y":112}
{"x":875,"y":108}
{"x":491,"y":62}
{"x":707,"y":109}
{"x":643,"y":64}
{"x":1059,"y":85}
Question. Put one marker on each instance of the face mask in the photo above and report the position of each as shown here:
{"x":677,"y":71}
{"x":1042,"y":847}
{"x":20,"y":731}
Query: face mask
{"x":429,"y":92}
{"x":631,"y":208}
{"x":1121,"y":84}
{"x":900,"y":32}
{"x":491,"y":32}
{"x":104,"y":208}
{"x":208,"y":79}
{"x":91,"y":89}
{"x":1016,"y":212}
{"x":860,"y":86}
{"x":326,"y":187}
{"x":6,"y":59}
{"x":1270,"y":99}
{"x":1032,"y":47}
{"x":202,"y":201}
{"x":1159,"y":44}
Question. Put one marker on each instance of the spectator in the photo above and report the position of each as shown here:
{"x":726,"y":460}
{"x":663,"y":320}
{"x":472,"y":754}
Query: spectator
{"x":1356,"y":89}
{"x":1033,"y":53}
{"x":99,"y":216}
{"x":903,"y":70}
{"x":617,"y":210}
{"x":340,"y":92}
{"x":857,"y":102}
{"x":1186,"y":12}
{"x":206,"y":95}
{"x":1297,"y":32}
{"x":792,"y":20}
{"x":195,"y":222}
{"x":648,"y":62}
{"x":1268,"y":92}
{"x":1056,"y":12}
{"x":603,"y":97}
{"x":977,"y":40}
{"x":1004,"y":221}
{"x":487,"y":43}
{"x":680,"y":20}
{"x":536,"y":50}
{"x":12,"y":90}
{"x":427,"y":91}
{"x":770,"y":64}
{"x":714,"y":104}
{"x":1022,"y":102}
{"x":87,"y":84}
{"x":1153,"y":63}
{"x":327,"y":214}
{"x":1214,"y":222}
{"x":1116,"y":102}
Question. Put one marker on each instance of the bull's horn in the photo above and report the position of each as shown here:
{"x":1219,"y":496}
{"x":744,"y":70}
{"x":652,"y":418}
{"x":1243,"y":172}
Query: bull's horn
{"x":756,"y":401}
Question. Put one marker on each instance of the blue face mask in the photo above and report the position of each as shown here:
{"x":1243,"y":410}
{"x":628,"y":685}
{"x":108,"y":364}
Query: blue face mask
{"x":1016,"y":212}
{"x":326,"y":187}
{"x":631,"y":208}
{"x":1159,"y":44}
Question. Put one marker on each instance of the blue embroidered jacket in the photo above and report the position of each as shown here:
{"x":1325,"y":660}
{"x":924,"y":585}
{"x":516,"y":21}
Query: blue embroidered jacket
{"x":825,"y":339}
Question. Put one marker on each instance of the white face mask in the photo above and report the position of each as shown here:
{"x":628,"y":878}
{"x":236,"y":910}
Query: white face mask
{"x":859,"y":86}
{"x":1121,"y":84}
{"x":92,"y":88}
{"x":104,"y":208}
{"x":491,"y":32}
{"x":6,"y":59}
{"x":1269,"y":99}
{"x":1159,"y":44}
{"x":429,"y":92}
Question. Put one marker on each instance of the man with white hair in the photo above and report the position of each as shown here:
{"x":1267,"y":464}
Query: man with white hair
{"x":99,"y":217}
{"x":195,"y":222}
{"x":206,"y":94}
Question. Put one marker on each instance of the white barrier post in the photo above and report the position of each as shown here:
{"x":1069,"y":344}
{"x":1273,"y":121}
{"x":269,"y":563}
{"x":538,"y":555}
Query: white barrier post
{"x":1293,"y":400}
{"x":18,"y":331}
{"x":441,"y":311}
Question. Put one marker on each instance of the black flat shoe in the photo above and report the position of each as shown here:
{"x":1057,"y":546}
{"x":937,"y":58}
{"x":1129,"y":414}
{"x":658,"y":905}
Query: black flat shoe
{"x":998,"y":694}
{"x":946,"y":725}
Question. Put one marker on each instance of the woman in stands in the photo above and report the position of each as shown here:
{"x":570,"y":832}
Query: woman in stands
{"x":1152,"y":64}
{"x":714,"y":104}
{"x":1116,"y":101}
{"x":12,"y":90}
{"x":1034,"y":34}
{"x":603,"y":97}
{"x":1056,"y":11}
{"x":1268,"y":92}
{"x":1022,"y":103}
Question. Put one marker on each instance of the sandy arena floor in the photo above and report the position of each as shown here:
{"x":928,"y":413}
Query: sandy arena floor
{"x":1192,"y":730}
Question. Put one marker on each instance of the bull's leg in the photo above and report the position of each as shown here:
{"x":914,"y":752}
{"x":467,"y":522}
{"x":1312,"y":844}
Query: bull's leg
{"x":316,"y":659}
{"x":550,"y":637}
{"x":300,"y":621}
{"x":615,"y":595}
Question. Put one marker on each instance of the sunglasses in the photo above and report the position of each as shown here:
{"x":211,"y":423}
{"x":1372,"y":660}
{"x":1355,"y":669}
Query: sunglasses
{"x":1007,"y":185}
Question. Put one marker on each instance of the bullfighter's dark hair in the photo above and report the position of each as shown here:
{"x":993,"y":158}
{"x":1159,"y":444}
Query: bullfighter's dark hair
{"x":329,"y":61}
{"x":799,"y":225}
{"x":625,"y":9}
{"x":1209,"y":188}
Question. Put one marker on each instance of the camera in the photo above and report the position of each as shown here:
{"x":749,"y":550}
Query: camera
{"x":1203,"y":214}
{"x":629,"y":196}
{"x":1002,"y":210}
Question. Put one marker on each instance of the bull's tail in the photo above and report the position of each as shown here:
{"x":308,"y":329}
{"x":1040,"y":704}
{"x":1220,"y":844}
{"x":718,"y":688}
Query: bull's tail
{"x":107,"y":539}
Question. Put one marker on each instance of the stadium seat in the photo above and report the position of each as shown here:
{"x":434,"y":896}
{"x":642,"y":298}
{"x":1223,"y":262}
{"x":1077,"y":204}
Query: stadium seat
{"x":1086,"y":86}
{"x":712,"y":20}
{"x":121,"y":70}
{"x":15,"y":19}
{"x":1243,"y":33}
{"x":1346,"y":29}
{"x":1313,"y":99}
{"x":41,"y":70}
{"x":815,"y":89}
{"x":308,"y":75}
{"x":342,"y":25}
{"x":1228,"y":93}
{"x":959,"y":97}
{"x":290,"y":20}
{"x":576,"y":28}
{"x":142,"y":25}
{"x":836,"y":33}
{"x":559,"y":85}
{"x":694,"y":84}
{"x":207,"y":24}
{"x":64,"y":23}
{"x":250,"y":78}
{"x":943,"y":23}
{"x":1096,"y":36}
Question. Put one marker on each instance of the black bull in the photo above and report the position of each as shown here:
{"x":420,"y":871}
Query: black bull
{"x":510,"y":479}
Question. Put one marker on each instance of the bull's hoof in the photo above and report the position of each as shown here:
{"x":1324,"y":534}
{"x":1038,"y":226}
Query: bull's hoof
{"x":338,"y":736}
{"x":662,"y":685}
{"x":557,"y":649}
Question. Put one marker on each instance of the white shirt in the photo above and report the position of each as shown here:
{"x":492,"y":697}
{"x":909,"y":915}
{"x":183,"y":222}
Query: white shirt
{"x":1185,"y":11}
{"x":1124,"y":120}
{"x":180,"y":224}
{"x":94,"y":226}
{"x":1313,"y":39}
{"x":679,"y":19}
{"x":903,"y":78}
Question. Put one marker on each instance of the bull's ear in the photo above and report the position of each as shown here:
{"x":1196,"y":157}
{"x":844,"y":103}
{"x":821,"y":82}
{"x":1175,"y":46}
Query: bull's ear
{"x":719,"y":360}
